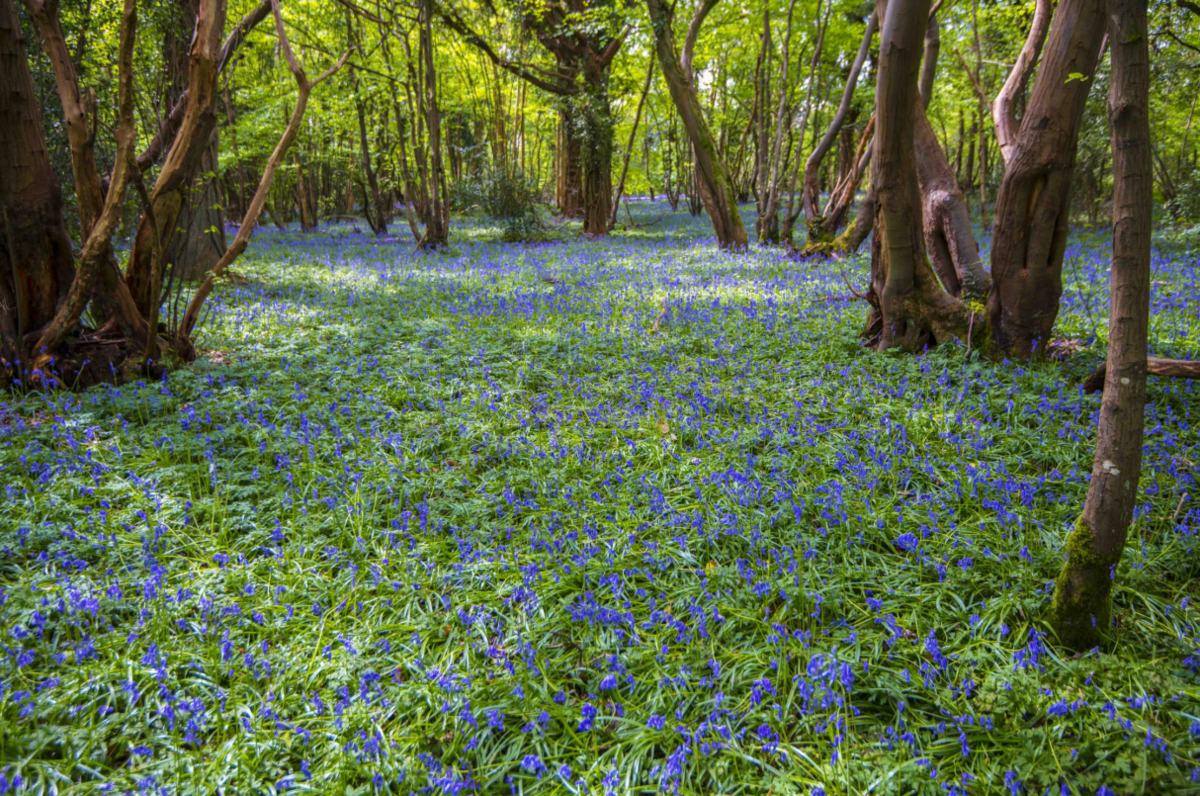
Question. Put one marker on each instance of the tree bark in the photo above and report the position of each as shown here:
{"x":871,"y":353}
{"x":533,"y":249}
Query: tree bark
{"x":717,"y":191}
{"x":1004,"y":107}
{"x":933,"y":44}
{"x":199,"y":239}
{"x":913,"y":310}
{"x":595,"y":113}
{"x":1033,"y":204}
{"x":187,"y":150}
{"x":437,"y":223}
{"x":257,"y":204}
{"x":97,"y":247}
{"x":1082,"y":598}
{"x":949,"y":241}
{"x":378,"y":219}
{"x":36,"y":263}
{"x":818,"y":228}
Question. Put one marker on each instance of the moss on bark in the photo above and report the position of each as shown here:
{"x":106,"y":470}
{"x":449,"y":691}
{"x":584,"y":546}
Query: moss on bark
{"x":1082,"y":607}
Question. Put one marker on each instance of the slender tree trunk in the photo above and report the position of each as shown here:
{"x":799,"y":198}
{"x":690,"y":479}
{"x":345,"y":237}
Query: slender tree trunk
{"x":240,"y":206}
{"x":1033,"y":205}
{"x":1012,"y":94}
{"x":437,"y":225}
{"x":777,"y":171}
{"x":186,"y":153}
{"x":376,"y":219}
{"x":949,"y":241}
{"x":717,"y":191}
{"x":983,"y":169}
{"x":307,"y":220}
{"x":762,"y":141}
{"x":1082,"y":598}
{"x":818,"y":228}
{"x":637,"y":117}
{"x":933,"y":44}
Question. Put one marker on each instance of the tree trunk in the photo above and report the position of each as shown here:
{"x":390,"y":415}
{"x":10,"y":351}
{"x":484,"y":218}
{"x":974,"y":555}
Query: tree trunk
{"x":949,"y":241}
{"x":596,"y":151}
{"x":308,"y":221}
{"x":378,"y":219}
{"x":716,"y":189}
{"x":36,"y":263}
{"x":199,"y":241}
{"x":637,"y":117}
{"x":762,"y":141}
{"x":1033,"y":204}
{"x":569,"y":185}
{"x":1004,"y":108}
{"x":199,"y":238}
{"x":912,"y":309}
{"x":933,"y":44}
{"x":818,"y":228}
{"x":845,"y":149}
{"x":185,"y":155}
{"x":769,"y":224}
{"x":1082,"y":598}
{"x":437,"y":224}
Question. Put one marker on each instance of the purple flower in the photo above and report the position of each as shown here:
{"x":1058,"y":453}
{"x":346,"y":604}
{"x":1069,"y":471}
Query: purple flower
{"x":533,"y":764}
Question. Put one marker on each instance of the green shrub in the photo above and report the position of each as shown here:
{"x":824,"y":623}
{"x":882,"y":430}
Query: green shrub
{"x":506,"y":195}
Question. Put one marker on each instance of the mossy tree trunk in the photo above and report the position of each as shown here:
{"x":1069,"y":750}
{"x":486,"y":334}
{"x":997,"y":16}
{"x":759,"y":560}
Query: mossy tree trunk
{"x":1082,"y":598}
{"x":716,"y":189}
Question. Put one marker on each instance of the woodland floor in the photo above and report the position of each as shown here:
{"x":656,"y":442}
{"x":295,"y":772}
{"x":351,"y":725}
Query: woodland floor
{"x":589,"y":516}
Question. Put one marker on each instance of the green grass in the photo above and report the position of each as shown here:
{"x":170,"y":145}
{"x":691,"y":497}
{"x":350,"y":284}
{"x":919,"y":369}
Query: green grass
{"x":415,"y":496}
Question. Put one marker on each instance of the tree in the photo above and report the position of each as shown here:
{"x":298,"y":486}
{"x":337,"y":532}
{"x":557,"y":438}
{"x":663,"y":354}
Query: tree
{"x":304,"y":86}
{"x":911,"y":308}
{"x":716,"y":189}
{"x":42,"y":297}
{"x":1082,"y":598}
{"x":36,"y":264}
{"x":1032,"y":207}
{"x":185,"y":154}
{"x":583,"y":43}
{"x":821,"y":225}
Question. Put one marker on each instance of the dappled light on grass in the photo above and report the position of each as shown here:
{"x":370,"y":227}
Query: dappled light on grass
{"x":587,"y":513}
